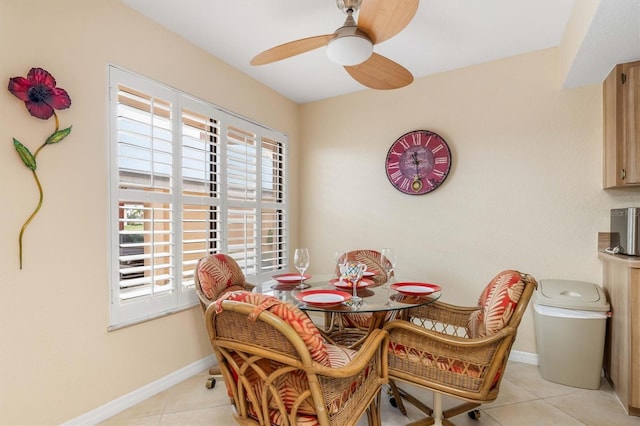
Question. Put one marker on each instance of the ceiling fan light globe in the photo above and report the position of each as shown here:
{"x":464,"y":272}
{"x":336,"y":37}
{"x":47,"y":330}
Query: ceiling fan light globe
{"x":349,"y":50}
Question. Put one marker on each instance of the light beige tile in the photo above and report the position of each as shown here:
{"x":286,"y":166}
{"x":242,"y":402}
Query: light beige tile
{"x":465,"y":420}
{"x":594,"y":408}
{"x":510,"y":393}
{"x":150,"y":407}
{"x":216,"y":416}
{"x":532,"y":413}
{"x":192,"y":394}
{"x":135,"y":421}
{"x":528,"y":377}
{"x":605,"y":386}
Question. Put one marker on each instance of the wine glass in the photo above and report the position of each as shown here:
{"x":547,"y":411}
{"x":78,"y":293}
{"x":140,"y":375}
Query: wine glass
{"x":389,"y":264}
{"x":353,"y":272}
{"x":301,"y":262}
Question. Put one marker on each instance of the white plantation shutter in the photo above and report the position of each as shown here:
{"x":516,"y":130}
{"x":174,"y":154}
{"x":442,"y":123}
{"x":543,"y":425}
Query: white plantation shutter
{"x":273,"y":232}
{"x":201,"y":200}
{"x":241,"y":186}
{"x":143,"y":200}
{"x":187,"y":180}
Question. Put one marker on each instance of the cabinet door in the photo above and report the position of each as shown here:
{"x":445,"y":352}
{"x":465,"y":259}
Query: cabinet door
{"x":617,"y":359}
{"x":634,"y":344}
{"x":613,"y":170}
{"x":631,"y":110}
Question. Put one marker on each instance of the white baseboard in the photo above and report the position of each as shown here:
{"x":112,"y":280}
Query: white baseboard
{"x":118,"y":405}
{"x":524,"y":357}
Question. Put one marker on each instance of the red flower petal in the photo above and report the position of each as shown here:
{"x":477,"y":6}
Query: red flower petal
{"x":19,"y":86}
{"x":39,"y":93}
{"x":41,"y":76}
{"x":39,"y":109}
{"x":59,"y":98}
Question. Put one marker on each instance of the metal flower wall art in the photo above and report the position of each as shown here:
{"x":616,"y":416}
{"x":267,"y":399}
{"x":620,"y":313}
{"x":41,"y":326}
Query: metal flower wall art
{"x":41,"y":97}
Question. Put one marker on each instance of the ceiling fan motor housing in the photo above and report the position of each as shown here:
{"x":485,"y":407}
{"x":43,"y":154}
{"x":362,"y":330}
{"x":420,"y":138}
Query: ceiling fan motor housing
{"x":346,"y":5}
{"x":350,"y":46}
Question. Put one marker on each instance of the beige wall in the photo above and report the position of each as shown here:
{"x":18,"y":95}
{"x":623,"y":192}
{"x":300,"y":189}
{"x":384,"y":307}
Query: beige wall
{"x":57,"y":360}
{"x":524,"y":191}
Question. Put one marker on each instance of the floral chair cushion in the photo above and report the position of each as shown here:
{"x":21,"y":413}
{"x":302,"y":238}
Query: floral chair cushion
{"x":371,"y":258}
{"x":294,"y":383}
{"x":219,"y":273}
{"x":297,"y":319}
{"x":496,"y":304}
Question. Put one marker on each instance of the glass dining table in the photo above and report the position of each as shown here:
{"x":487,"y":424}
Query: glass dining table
{"x":380,"y":303}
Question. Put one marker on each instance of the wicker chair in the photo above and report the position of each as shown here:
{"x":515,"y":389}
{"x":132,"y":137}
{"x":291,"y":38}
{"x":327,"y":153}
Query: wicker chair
{"x":280,"y":371}
{"x":372,"y":259}
{"x":215,"y":275}
{"x":349,"y":329}
{"x":460,"y":352}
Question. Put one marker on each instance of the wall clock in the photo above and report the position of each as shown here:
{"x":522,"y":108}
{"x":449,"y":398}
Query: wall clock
{"x":418,"y":162}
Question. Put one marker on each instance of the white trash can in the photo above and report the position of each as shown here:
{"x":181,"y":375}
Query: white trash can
{"x":570,"y":320}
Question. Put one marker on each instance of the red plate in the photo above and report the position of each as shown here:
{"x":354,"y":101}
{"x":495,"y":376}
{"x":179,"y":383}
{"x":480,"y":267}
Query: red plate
{"x":346,"y":284}
{"x":415,"y":289}
{"x":323,"y":298}
{"x":290,"y":278}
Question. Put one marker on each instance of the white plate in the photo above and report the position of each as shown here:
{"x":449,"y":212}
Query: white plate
{"x":323,"y":298}
{"x":290,"y":278}
{"x":415,"y":289}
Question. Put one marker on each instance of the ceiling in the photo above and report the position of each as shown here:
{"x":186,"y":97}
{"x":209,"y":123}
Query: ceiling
{"x":443,"y":35}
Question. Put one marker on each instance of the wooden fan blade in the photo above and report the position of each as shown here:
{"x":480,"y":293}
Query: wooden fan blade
{"x":382,"y":19}
{"x":290,"y":49}
{"x":381,"y":73}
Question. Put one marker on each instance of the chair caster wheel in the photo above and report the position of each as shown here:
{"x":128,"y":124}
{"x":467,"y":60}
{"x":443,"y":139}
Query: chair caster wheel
{"x":475,"y":414}
{"x":211,"y":383}
{"x":393,"y":402}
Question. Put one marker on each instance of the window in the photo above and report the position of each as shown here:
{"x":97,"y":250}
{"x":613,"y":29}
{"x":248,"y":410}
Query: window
{"x":187,"y":179}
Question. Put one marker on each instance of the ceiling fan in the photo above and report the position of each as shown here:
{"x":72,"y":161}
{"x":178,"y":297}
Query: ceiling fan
{"x":352,"y":45}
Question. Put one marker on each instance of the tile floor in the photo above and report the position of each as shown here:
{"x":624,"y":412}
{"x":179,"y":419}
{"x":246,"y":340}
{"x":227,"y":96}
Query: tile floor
{"x":525,"y":399}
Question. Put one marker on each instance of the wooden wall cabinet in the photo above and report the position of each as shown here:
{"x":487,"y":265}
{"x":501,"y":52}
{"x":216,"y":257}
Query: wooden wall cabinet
{"x":621,"y":280}
{"x":621,"y":114}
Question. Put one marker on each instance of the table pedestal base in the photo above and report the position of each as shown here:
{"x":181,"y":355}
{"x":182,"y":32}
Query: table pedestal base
{"x":436,"y":415}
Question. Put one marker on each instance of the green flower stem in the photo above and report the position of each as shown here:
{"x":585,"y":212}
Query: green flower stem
{"x":40,"y":190}
{"x":24,"y":227}
{"x":45,"y":142}
{"x":35,"y":155}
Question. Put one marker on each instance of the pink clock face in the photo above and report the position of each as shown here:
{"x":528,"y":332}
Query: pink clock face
{"x":418,"y":162}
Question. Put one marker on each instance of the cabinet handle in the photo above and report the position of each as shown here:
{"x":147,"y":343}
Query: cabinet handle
{"x":623,"y":174}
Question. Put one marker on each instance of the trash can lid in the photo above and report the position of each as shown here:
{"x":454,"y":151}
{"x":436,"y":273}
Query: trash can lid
{"x":571,"y":295}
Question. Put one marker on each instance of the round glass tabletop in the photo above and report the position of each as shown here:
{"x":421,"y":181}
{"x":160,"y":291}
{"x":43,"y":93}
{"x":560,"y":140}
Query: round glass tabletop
{"x":327,"y":294}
